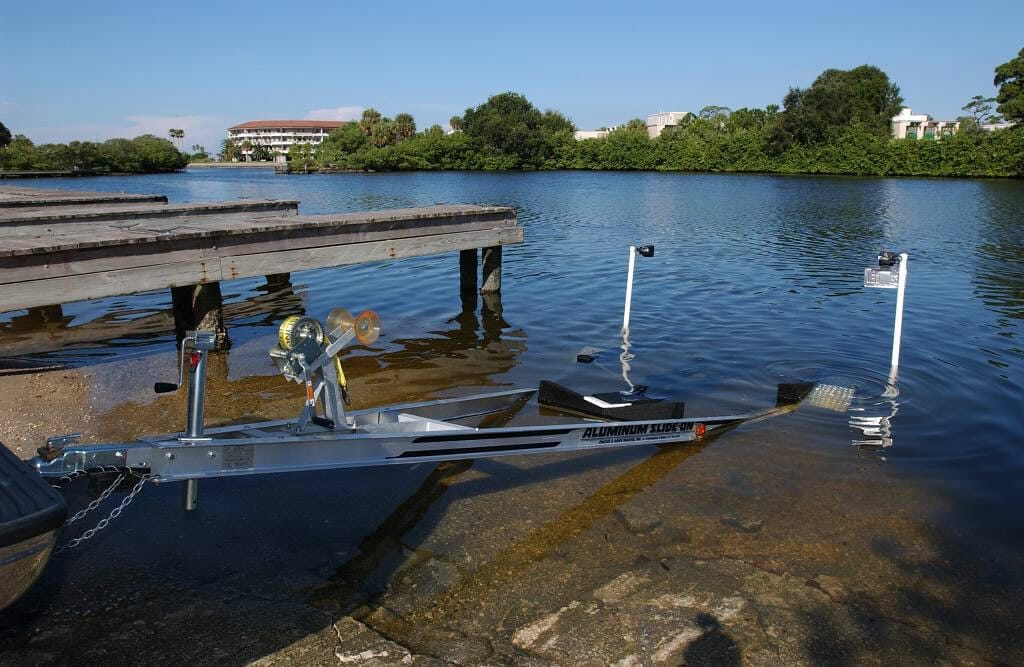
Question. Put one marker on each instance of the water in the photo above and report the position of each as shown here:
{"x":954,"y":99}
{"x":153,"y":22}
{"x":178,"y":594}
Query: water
{"x":755,"y":280}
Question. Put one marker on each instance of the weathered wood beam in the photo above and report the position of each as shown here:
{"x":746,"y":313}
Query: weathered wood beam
{"x":12,"y":196}
{"x":31,"y":215}
{"x":193,"y":271}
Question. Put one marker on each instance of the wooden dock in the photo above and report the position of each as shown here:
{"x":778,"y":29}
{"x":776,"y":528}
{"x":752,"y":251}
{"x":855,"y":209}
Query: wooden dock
{"x":58,"y":247}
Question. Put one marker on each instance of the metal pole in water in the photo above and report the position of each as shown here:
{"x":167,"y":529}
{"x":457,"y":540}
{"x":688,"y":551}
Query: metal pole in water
{"x":629,"y":289}
{"x":897,"y":332}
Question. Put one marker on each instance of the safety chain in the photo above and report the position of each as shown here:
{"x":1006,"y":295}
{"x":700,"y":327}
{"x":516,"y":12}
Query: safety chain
{"x":116,"y":512}
{"x":96,"y":503}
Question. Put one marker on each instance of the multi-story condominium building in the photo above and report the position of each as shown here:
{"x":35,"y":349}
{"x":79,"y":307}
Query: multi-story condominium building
{"x":908,"y":125}
{"x":657,"y":122}
{"x":280,"y":135}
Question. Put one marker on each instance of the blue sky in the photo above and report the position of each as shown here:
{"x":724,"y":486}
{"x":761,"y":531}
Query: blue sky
{"x":92,"y":70}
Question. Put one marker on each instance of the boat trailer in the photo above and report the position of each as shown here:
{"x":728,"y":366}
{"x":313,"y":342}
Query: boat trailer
{"x":325,"y":435}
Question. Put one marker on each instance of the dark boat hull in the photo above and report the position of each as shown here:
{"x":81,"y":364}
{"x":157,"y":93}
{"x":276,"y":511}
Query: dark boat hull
{"x":31,"y":513}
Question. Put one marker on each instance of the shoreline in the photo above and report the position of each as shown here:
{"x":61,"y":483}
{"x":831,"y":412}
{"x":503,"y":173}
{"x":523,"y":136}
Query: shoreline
{"x":231,"y":165}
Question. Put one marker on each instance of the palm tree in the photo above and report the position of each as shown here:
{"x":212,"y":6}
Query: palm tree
{"x":247,"y":150}
{"x":176,"y":134}
{"x":228,"y":150}
{"x":371,"y":117}
{"x":405,"y":126}
{"x":384,"y":133}
{"x":456,"y":123}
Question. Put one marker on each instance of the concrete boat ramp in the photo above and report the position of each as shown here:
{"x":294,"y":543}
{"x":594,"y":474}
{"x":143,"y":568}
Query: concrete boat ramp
{"x":60,"y":246}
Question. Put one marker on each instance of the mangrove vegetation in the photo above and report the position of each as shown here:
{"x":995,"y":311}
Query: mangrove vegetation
{"x":840,"y":124}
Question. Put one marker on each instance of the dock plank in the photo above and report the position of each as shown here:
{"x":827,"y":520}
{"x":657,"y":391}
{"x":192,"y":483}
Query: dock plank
{"x":79,"y":287}
{"x":70,"y":253}
{"x":12,"y":196}
{"x":135,"y":211}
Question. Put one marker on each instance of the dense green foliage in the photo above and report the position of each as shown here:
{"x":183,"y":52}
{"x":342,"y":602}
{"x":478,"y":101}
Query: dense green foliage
{"x":861,"y":98}
{"x":5,"y":136}
{"x":144,"y":154}
{"x":508,"y":132}
{"x":1010,"y":79}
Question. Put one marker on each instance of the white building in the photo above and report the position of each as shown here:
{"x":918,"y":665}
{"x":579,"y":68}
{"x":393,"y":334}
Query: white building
{"x":280,"y":135}
{"x":657,"y":122}
{"x":908,"y":125}
{"x":595,"y":134}
{"x":1001,"y":125}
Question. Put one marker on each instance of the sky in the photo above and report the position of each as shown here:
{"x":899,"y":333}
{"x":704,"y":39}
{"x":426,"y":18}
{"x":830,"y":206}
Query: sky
{"x":94,"y":70}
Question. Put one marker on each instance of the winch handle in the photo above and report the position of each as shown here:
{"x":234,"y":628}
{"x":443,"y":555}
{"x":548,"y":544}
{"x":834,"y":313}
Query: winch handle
{"x":167,"y":387}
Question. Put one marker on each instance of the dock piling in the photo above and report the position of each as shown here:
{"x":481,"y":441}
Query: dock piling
{"x":491,"y":270}
{"x":199,"y":308}
{"x":467,"y":271}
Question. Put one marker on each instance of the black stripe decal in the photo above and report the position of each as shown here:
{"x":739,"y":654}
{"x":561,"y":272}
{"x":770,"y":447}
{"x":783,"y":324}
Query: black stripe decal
{"x":476,"y":450}
{"x":484,"y":435}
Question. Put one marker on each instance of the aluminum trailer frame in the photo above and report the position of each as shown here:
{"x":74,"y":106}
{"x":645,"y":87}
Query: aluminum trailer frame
{"x":398,"y":434}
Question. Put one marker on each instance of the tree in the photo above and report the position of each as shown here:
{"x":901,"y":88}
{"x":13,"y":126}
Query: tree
{"x":301,"y":156}
{"x":508,"y":124}
{"x":348,"y":138}
{"x":405,"y":126}
{"x":554,"y":122}
{"x":260,"y":153}
{"x":5,"y":136}
{"x":178,"y":135}
{"x":862,"y":97}
{"x":455,"y":122}
{"x":20,"y":154}
{"x":149,"y":153}
{"x":199,"y":153}
{"x":980,"y":109}
{"x":229,"y":150}
{"x":384,"y":133}
{"x":370,"y":118}
{"x":714,"y":112}
{"x":1010,"y":79}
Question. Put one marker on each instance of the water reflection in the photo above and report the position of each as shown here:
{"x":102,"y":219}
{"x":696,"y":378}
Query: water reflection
{"x":39,"y":331}
{"x":472,"y":353}
{"x":875,"y":421}
{"x":999,"y":271}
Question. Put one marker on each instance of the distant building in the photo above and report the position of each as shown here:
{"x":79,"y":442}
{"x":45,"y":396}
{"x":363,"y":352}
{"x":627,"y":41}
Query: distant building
{"x":280,"y":135}
{"x":657,"y":122}
{"x":1001,"y":125}
{"x":908,"y":125}
{"x":590,"y":134}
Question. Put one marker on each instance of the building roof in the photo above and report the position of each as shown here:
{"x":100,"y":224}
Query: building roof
{"x":288,"y":124}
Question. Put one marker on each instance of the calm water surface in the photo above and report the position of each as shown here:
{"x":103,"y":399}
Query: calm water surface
{"x":756,"y":280}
